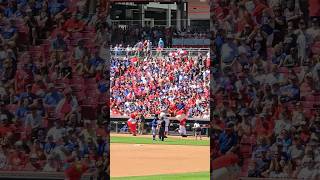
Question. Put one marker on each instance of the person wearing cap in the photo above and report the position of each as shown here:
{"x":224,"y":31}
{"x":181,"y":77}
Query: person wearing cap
{"x":154,"y":125}
{"x":197,"y":129}
{"x":182,"y":127}
{"x":141,"y":121}
{"x":167,"y":120}
{"x":161,"y":127}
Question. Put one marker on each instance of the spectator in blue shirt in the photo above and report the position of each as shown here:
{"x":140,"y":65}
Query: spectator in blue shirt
{"x":10,"y":9}
{"x":102,"y":86}
{"x":59,"y":43}
{"x":161,"y":43}
{"x":9,"y":32}
{"x":228,"y":139}
{"x":229,"y":50}
{"x":102,"y":146}
{"x":50,"y":145}
{"x":154,"y":125}
{"x":96,"y":60}
{"x":28,"y":94}
{"x":22,"y":111}
{"x":53,"y":97}
{"x":55,"y":7}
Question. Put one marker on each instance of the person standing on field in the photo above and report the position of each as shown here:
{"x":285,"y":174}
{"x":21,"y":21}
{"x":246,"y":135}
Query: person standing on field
{"x":154,"y":125}
{"x":197,"y":129}
{"x":167,"y":122}
{"x":132,"y":124}
{"x":141,"y":124}
{"x":162,"y":126}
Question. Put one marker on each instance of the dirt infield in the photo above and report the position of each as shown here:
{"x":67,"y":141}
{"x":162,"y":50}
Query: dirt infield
{"x":152,"y":159}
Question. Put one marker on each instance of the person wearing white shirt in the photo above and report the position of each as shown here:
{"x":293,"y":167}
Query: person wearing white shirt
{"x":197,"y":129}
{"x":57,"y":132}
{"x":167,"y":120}
{"x":282,"y":123}
{"x":50,"y":165}
{"x":314,"y":30}
{"x":104,"y":51}
{"x":128,"y":50}
{"x":33,"y":120}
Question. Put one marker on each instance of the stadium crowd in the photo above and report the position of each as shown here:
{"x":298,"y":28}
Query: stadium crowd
{"x":170,"y":82}
{"x":265,"y":88}
{"x":53,"y":77}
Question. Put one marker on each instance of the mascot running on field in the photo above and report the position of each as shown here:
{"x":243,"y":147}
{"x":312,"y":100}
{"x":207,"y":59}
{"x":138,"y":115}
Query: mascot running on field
{"x":182,"y":125}
{"x":132,"y":124}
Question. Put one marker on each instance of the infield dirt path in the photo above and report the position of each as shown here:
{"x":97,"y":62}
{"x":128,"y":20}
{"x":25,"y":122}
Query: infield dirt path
{"x":152,"y":159}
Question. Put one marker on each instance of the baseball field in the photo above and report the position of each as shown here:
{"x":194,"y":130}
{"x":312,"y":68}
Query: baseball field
{"x":140,"y":158}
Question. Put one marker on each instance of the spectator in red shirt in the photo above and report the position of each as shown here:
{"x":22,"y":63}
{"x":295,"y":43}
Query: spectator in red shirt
{"x":75,"y":171}
{"x":74,"y":24}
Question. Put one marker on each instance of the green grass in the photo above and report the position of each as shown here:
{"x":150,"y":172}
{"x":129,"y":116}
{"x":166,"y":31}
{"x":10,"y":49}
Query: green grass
{"x":168,"y":141}
{"x":185,"y":176}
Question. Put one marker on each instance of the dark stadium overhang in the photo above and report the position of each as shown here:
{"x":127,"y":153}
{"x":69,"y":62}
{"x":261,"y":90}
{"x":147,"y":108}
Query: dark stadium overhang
{"x":161,"y":1}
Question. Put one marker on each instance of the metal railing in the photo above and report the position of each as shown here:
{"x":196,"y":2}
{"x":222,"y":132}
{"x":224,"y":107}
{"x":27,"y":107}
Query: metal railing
{"x":171,"y":118}
{"x":164,"y":52}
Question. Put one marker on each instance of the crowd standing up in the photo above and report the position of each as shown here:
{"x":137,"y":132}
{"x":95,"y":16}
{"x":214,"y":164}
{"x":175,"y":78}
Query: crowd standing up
{"x":265,"y":88}
{"x":46,"y":57}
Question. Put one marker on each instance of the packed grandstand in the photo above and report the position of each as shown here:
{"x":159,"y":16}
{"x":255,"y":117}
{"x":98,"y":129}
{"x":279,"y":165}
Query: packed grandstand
{"x":53,"y":113}
{"x":266,"y":91}
{"x":151,"y":80}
